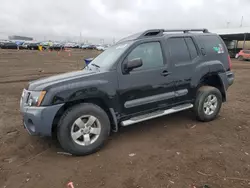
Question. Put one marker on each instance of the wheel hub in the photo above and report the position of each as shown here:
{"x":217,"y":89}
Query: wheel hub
{"x":210,"y":104}
{"x":85,"y":130}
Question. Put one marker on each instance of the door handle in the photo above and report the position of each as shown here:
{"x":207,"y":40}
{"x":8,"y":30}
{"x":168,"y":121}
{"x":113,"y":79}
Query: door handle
{"x":203,"y":51}
{"x":165,"y":73}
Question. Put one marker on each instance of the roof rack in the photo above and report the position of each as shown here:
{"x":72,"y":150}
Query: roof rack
{"x":151,"y":32}
{"x":159,"y":32}
{"x":187,"y":30}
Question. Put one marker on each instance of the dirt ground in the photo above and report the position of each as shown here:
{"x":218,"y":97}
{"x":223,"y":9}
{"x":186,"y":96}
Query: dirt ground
{"x":174,"y":151}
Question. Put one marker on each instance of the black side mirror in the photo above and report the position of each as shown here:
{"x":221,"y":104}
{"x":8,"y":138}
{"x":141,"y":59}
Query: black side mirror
{"x":132,"y":64}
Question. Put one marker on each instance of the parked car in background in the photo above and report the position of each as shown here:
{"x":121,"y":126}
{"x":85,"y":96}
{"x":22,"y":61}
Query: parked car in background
{"x":45,"y":45}
{"x":85,"y":46}
{"x":9,"y":45}
{"x":25,"y":45}
{"x":2,"y":42}
{"x":33,"y":46}
{"x":72,"y":45}
{"x":28,"y":45}
{"x":57,"y":46}
{"x":88,"y":46}
{"x":91,"y":47}
{"x":102,"y":47}
{"x":243,"y":55}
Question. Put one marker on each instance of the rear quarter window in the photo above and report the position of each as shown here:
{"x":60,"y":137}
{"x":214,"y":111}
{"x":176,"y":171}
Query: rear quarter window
{"x":212,"y":44}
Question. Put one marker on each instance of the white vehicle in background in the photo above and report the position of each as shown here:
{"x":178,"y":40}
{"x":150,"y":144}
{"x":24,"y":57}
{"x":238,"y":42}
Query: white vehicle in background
{"x":102,"y":48}
{"x":71,"y":45}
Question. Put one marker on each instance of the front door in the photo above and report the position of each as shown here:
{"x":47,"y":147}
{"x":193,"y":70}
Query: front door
{"x":150,"y":86}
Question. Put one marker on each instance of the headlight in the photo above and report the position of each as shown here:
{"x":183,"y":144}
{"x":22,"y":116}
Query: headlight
{"x":36,"y":98}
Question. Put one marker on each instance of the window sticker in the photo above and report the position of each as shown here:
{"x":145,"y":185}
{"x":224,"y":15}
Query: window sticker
{"x":219,"y":49}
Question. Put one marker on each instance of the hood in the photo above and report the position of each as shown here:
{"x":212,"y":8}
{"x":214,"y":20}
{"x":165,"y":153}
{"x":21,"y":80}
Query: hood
{"x":41,"y":84}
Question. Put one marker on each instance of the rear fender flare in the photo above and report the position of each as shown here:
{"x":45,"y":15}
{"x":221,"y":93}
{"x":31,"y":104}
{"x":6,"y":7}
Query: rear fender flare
{"x":209,"y":67}
{"x":206,"y":69}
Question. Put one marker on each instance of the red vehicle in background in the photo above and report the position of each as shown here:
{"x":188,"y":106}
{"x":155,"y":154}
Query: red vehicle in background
{"x":244,"y":55}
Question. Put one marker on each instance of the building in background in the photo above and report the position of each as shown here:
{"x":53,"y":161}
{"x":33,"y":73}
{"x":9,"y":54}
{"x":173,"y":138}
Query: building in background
{"x":15,"y":37}
{"x":236,"y":39}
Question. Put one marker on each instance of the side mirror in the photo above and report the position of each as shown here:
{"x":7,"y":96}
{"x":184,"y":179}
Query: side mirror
{"x":88,"y":60}
{"x":132,"y":64}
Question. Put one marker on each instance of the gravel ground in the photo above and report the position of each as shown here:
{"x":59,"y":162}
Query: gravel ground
{"x":172,"y":151}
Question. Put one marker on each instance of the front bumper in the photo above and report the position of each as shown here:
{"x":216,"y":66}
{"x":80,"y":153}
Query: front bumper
{"x":39,"y":120}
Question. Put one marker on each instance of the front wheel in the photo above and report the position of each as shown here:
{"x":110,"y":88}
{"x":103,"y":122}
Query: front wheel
{"x":83,"y":129}
{"x":208,"y":103}
{"x":240,"y":58}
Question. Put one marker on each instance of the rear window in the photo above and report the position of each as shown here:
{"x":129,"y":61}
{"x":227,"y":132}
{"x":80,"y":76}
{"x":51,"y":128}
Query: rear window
{"x":212,"y":44}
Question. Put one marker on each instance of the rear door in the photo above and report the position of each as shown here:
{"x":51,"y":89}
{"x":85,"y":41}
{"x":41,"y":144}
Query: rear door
{"x":184,"y":57}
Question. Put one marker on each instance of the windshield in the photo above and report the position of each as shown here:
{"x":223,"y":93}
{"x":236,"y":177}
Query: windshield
{"x":107,"y":58}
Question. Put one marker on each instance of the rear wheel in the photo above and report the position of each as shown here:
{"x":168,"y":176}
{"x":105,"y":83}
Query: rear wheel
{"x":83,"y":129}
{"x":208,"y":103}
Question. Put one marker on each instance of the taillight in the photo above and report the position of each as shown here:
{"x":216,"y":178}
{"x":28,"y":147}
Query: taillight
{"x":229,"y":62}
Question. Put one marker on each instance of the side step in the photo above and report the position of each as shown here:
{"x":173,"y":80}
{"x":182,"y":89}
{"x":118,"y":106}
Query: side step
{"x":156,"y":114}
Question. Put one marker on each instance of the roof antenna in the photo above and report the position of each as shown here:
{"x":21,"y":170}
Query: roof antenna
{"x":241,"y":23}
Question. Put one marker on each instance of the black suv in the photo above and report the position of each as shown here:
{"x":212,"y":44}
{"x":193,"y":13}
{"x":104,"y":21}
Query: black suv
{"x":143,"y":76}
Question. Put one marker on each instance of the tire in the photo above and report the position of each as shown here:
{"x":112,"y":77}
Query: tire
{"x":240,"y":58}
{"x":207,"y":111}
{"x":67,"y":127}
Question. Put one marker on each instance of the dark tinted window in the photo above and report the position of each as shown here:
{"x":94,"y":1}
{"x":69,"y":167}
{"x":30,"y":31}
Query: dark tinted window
{"x":212,"y":44}
{"x":246,"y":51}
{"x":150,"y":53}
{"x":191,"y":46}
{"x":178,"y":50}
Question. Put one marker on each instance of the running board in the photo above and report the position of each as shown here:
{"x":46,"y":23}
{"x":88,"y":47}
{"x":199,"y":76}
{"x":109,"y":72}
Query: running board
{"x":156,"y":114}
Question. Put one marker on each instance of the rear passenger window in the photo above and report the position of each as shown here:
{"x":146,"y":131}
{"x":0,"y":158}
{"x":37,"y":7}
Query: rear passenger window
{"x":191,"y":46}
{"x":178,"y":51}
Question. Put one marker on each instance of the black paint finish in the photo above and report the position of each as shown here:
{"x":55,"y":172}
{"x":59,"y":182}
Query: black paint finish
{"x":138,"y":92}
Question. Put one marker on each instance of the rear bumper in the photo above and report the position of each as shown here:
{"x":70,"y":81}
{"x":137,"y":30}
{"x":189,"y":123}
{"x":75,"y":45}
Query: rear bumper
{"x":39,"y":120}
{"x":227,"y":79}
{"x":230,"y":78}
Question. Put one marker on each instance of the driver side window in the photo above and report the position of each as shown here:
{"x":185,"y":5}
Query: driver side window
{"x":150,"y":53}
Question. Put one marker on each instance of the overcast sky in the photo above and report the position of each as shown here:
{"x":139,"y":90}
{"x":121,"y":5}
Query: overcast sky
{"x":115,"y":18}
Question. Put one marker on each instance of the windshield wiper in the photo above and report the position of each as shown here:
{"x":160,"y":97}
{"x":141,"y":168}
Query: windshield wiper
{"x":95,"y":65}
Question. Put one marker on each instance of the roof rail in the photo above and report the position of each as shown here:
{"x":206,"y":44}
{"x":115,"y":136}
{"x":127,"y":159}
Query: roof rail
{"x":186,"y":30}
{"x":159,"y":32}
{"x":151,"y":32}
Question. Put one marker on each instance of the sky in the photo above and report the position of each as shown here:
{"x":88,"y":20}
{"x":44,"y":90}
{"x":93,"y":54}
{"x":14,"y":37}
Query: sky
{"x":108,"y":19}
